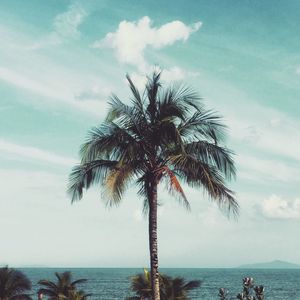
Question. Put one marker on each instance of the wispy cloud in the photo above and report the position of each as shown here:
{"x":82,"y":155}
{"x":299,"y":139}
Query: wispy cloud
{"x":265,"y":170}
{"x":66,"y":24}
{"x":6,"y":107}
{"x":24,"y":82}
{"x":34,"y":154}
{"x":93,"y":93}
{"x":272,"y":137}
{"x":131,"y":39}
{"x":65,"y":27}
{"x":52,"y":89}
{"x":176,"y":74}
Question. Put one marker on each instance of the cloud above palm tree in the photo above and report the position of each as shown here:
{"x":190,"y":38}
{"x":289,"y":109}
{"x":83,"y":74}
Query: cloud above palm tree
{"x":131,"y":39}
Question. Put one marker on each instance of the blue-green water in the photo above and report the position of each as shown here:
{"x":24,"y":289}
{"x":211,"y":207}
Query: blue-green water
{"x":113,"y":284}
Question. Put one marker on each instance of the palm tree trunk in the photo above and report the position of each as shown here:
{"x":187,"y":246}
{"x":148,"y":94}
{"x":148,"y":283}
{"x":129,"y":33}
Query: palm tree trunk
{"x":153,"y":240}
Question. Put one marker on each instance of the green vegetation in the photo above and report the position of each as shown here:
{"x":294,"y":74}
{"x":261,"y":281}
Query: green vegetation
{"x":250,"y":292}
{"x":63,"y":289}
{"x":14,"y":285}
{"x":163,"y":135}
{"x":170,"y":288}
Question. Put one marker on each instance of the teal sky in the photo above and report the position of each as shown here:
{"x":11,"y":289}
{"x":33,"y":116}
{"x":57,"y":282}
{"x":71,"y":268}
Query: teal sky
{"x":59,"y":62}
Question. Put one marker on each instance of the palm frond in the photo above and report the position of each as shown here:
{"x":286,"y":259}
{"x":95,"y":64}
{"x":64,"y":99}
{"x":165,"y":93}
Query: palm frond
{"x":179,"y":102}
{"x":204,"y":124}
{"x":13,"y":283}
{"x":170,"y":108}
{"x":174,"y":187}
{"x":78,"y":281}
{"x":84,"y":175}
{"x":191,"y":285}
{"x":152,"y":88}
{"x":130,"y":117}
{"x":137,"y":100}
{"x":188,"y":97}
{"x":47,"y":283}
{"x":118,"y":109}
{"x":198,"y":174}
{"x":212,"y":154}
{"x":47,"y":292}
{"x":109,"y":141}
{"x":116,"y":182}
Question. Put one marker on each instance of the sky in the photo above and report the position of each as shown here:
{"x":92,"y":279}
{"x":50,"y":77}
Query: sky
{"x":59,"y":62}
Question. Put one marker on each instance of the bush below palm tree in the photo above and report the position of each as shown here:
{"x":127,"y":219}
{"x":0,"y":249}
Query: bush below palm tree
{"x":14,"y":285}
{"x":63,"y":289}
{"x":170,"y":288}
{"x":77,"y":295}
{"x":250,"y":292}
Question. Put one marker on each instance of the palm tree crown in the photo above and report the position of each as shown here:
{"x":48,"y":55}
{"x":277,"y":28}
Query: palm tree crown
{"x":163,"y":135}
{"x":178,"y":288}
{"x":14,"y":285}
{"x":63,"y":289}
{"x":166,"y":134}
{"x":170,"y":288}
{"x":77,"y":295}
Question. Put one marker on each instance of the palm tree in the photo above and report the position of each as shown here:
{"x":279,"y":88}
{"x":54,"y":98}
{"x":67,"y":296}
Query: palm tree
{"x":78,"y":295}
{"x":177,"y":288}
{"x":170,"y":288}
{"x":162,"y":135}
{"x":65,"y":288}
{"x":141,"y":285}
{"x":14,"y":285}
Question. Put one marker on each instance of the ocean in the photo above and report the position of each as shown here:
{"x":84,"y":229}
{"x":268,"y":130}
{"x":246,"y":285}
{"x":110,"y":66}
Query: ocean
{"x":114,"y":283}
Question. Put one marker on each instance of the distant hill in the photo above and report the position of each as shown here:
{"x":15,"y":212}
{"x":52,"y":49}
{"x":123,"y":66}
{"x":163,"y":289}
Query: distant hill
{"x":276,"y":264}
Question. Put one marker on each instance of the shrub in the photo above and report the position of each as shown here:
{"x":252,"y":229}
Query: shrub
{"x":250,"y":292}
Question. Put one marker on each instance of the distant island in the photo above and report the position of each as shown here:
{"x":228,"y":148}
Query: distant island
{"x":276,"y":264}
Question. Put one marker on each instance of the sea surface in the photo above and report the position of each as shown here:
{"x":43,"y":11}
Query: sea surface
{"x":113,"y":284}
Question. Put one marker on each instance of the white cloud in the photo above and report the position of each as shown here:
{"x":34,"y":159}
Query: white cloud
{"x":65,"y":27}
{"x":66,"y":24}
{"x":35,"y":154}
{"x":132,"y":38}
{"x":276,"y":207}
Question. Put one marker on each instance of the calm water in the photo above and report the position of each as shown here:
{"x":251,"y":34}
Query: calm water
{"x":113,"y":284}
